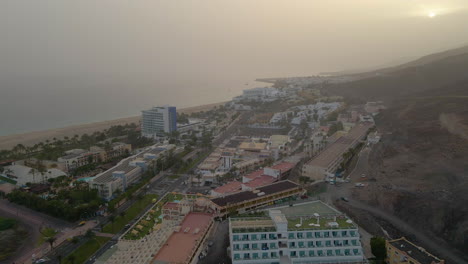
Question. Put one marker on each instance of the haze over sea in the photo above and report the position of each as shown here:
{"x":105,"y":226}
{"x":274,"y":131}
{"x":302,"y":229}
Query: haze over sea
{"x":49,"y":106}
{"x":73,"y":62}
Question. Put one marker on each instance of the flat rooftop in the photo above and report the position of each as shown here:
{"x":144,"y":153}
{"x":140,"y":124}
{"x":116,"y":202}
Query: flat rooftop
{"x":250,"y":195}
{"x":335,"y":150}
{"x":180,"y":246}
{"x":414,"y":251}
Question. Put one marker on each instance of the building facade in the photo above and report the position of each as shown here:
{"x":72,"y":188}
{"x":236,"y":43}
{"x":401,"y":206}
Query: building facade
{"x":402,"y":251}
{"x":294,"y":236}
{"x":158,"y":121}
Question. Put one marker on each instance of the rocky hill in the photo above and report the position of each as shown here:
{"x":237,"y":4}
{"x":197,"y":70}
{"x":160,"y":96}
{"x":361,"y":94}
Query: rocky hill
{"x":403,"y":81}
{"x":419,"y":172}
{"x":421,"y":167}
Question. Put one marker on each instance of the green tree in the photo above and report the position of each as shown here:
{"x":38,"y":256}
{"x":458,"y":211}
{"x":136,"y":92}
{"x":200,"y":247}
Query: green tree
{"x":378,"y":249}
{"x":71,"y":259}
{"x":112,"y":219}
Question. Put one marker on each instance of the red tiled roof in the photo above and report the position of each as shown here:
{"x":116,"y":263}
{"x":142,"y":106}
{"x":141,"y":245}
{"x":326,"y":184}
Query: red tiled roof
{"x":260,"y":181}
{"x":284,"y":166}
{"x":229,"y":187}
{"x":254,"y":174}
{"x":171,"y":206}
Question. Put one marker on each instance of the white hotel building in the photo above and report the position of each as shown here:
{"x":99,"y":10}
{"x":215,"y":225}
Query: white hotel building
{"x":305,"y":233}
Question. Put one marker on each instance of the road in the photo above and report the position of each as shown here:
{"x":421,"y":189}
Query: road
{"x":433,"y":244}
{"x":33,"y":221}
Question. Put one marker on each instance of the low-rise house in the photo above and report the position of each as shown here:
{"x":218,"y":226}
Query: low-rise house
{"x":402,"y":251}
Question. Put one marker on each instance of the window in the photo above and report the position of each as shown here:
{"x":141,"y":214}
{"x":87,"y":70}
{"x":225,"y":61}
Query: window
{"x":235,"y":238}
{"x":271,"y":236}
{"x":293,"y":254}
{"x":247,"y":256}
{"x":299,"y":235}
{"x":265,"y":255}
{"x":246,"y":246}
{"x":254,"y":246}
{"x":334,"y":234}
{"x":326,"y":234}
{"x":292,"y":244}
{"x":356,"y":251}
{"x":245,"y":237}
{"x":319,"y":243}
{"x":328,"y":243}
{"x":255,"y":255}
{"x":337,"y":252}
{"x":302,"y":254}
{"x":263,"y":236}
{"x":272,"y":245}
{"x":254,"y":237}
{"x":330,"y":252}
{"x":291,"y":235}
{"x":344,"y":233}
{"x":301,"y":244}
{"x":264,"y":246}
{"x":320,"y":253}
{"x":310,"y":244}
{"x":317,"y":234}
{"x":236,"y":247}
{"x":311,"y":253}
{"x":274,"y":255}
{"x":236,"y":256}
{"x":347,"y":252}
{"x":309,"y":234}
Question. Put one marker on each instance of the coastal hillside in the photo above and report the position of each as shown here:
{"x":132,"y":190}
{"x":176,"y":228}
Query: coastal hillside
{"x":405,"y":79}
{"x":420,"y":168}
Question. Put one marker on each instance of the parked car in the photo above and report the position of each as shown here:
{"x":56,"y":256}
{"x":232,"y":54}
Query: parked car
{"x":344,"y":199}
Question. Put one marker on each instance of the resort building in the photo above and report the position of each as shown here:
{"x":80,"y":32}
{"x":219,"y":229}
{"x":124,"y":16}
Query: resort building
{"x":241,"y":202}
{"x":158,"y":121}
{"x":126,"y":172}
{"x":311,"y":232}
{"x":76,"y":158}
{"x":328,"y":161}
{"x":173,"y":232}
{"x":402,"y":251}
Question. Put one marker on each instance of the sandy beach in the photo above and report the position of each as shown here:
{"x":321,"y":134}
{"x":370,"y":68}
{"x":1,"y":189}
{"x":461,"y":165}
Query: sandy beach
{"x":31,"y":138}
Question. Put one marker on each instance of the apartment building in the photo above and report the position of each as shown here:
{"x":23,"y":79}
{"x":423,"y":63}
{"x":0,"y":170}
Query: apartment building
{"x":402,"y":251}
{"x":244,"y":201}
{"x":310,"y":232}
{"x":126,"y":172}
{"x":328,"y":161}
{"x":76,"y":158}
{"x":158,"y":121}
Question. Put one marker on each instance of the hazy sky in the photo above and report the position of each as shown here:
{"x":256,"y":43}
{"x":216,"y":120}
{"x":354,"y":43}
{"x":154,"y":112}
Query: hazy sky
{"x":153,"y":52}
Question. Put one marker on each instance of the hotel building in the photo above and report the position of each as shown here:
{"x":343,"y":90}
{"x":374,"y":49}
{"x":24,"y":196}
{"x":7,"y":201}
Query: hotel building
{"x":310,"y":232}
{"x":158,"y":121}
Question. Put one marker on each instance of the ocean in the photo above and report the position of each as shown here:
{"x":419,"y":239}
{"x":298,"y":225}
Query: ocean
{"x":27,"y":106}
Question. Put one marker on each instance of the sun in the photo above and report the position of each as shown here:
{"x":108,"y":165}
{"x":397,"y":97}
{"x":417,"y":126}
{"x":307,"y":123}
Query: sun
{"x":431,"y":14}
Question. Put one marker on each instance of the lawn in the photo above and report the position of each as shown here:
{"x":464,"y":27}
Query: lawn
{"x":130,"y":213}
{"x":84,"y":252}
{"x":6,"y":223}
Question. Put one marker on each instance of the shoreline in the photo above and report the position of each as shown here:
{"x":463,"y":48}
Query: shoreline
{"x":34,"y":137}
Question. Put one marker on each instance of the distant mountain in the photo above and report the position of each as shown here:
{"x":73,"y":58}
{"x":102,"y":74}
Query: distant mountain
{"x":427,"y":73}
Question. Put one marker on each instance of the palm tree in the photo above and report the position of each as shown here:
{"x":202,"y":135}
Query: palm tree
{"x":51,"y":241}
{"x":71,"y":259}
{"x":33,"y":172}
{"x":122,"y":214}
{"x":112,"y":219}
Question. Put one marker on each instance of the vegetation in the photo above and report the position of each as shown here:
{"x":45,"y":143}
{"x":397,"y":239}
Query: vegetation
{"x":67,"y":204}
{"x":378,"y":249}
{"x":7,"y":223}
{"x":120,"y":221}
{"x":55,"y":148}
{"x":84,"y":252}
{"x":46,"y":234}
